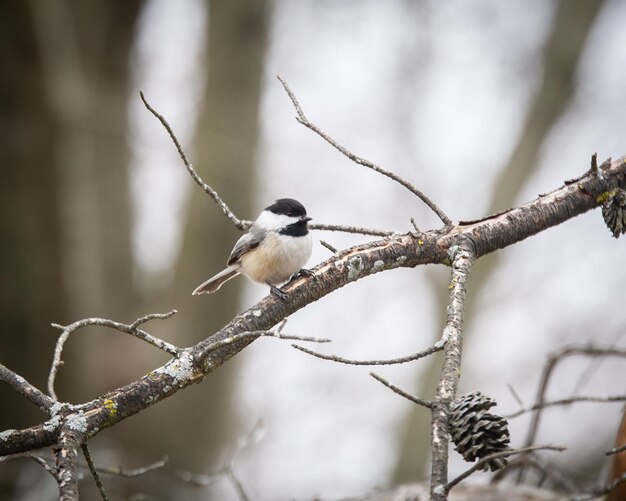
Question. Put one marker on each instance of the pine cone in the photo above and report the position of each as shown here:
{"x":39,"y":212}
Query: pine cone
{"x":614,"y":212}
{"x":475,"y":432}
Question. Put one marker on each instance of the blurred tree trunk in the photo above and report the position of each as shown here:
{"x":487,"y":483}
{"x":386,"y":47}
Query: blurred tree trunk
{"x":572,"y":23}
{"x":65,"y":222}
{"x":224,"y":155}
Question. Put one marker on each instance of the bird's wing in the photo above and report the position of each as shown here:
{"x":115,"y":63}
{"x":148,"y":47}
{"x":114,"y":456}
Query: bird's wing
{"x":246,"y":243}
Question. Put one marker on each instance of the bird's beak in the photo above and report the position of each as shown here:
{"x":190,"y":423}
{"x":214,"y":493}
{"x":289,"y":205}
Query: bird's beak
{"x":306,"y":219}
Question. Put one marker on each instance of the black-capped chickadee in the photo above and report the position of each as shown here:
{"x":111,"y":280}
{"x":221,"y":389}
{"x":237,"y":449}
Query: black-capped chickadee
{"x":275,"y":248}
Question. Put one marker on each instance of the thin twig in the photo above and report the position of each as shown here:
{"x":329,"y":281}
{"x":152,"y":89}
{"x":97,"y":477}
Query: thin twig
{"x":104,"y":322}
{"x":351,"y":229}
{"x":415,"y":227}
{"x":424,"y":403}
{"x":393,"y":361}
{"x":548,"y":370}
{"x":227,"y":471}
{"x":515,"y":395}
{"x":94,"y":472}
{"x":328,"y":246}
{"x":255,"y":334}
{"x":133,"y":472}
{"x":152,"y":316}
{"x":361,"y":161}
{"x":479,"y":465}
{"x":566,"y":401}
{"x":239,"y":224}
{"x":615,"y":450}
{"x":24,"y":388}
{"x":600,"y":490}
{"x":546,"y":469}
{"x":38,"y":459}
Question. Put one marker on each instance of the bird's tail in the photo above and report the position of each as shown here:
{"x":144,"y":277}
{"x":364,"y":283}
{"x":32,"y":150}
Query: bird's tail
{"x":214,"y":283}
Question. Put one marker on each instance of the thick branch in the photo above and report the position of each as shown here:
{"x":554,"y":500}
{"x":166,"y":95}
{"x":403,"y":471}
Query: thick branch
{"x":71,"y":439}
{"x":462,"y":259}
{"x":408,"y":250}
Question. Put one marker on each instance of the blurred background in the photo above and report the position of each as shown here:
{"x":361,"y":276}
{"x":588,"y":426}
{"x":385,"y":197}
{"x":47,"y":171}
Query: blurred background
{"x":482,"y":105}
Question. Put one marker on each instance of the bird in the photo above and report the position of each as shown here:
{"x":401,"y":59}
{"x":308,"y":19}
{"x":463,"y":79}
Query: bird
{"x":272,"y":252}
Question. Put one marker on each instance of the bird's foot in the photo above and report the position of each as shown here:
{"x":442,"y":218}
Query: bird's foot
{"x":277,"y":291}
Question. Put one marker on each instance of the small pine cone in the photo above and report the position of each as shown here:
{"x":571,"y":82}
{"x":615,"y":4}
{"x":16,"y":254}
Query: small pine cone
{"x":475,"y":432}
{"x":614,"y":213}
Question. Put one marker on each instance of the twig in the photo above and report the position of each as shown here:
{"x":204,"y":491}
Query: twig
{"x":616,"y":450}
{"x":515,"y":395}
{"x":361,"y":161}
{"x":104,"y":322}
{"x":600,"y":490}
{"x":227,"y":471}
{"x":39,"y":460}
{"x":548,"y":370}
{"x":94,"y":472}
{"x":239,"y":224}
{"x":392,"y":361}
{"x":566,"y":401}
{"x":255,"y":334}
{"x":24,"y":388}
{"x":328,"y":246}
{"x":152,"y":316}
{"x":546,"y":469}
{"x":496,"y":455}
{"x":133,"y":472}
{"x":351,"y":229}
{"x":462,"y":258}
{"x":414,"y":224}
{"x":424,"y":403}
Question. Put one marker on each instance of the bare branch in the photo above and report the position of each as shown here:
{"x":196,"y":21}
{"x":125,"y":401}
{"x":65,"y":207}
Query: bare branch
{"x":424,"y":403}
{"x":462,"y":258}
{"x":152,"y":316}
{"x":238,"y":223}
{"x":132,"y":472}
{"x":38,"y":459}
{"x":24,"y":388}
{"x":256,"y":334}
{"x":361,"y":161}
{"x":566,"y":401}
{"x":328,"y":246}
{"x":600,"y":490}
{"x":615,"y":450}
{"x":227,"y":471}
{"x":351,"y":229}
{"x":104,"y":322}
{"x":392,"y":361}
{"x":71,"y":438}
{"x":546,"y":470}
{"x":553,"y":360}
{"x":479,"y":465}
{"x":94,"y":472}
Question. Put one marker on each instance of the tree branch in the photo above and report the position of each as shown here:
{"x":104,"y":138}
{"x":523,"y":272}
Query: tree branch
{"x":238,"y":223}
{"x":462,"y":257}
{"x":361,"y":161}
{"x":131,"y":329}
{"x":391,"y":361}
{"x":24,"y":388}
{"x":479,"y":465}
{"x":424,"y":403}
{"x":408,"y":250}
{"x":565,"y":401}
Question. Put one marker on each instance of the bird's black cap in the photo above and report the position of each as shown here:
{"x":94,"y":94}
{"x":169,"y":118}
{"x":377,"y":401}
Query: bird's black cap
{"x":287,"y":207}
